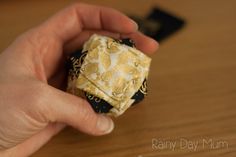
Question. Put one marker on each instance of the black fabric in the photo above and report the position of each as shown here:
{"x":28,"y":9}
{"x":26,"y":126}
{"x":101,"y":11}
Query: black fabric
{"x":140,"y":94}
{"x":127,"y":42}
{"x":98,"y":105}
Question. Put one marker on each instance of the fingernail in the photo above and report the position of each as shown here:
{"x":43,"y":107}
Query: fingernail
{"x":135,"y":25}
{"x":105,"y":124}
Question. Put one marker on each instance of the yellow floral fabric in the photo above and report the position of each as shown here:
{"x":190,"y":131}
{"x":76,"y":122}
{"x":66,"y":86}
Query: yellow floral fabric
{"x":112,"y":72}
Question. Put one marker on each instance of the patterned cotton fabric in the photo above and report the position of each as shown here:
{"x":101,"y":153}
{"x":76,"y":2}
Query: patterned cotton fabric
{"x":111,"y":71}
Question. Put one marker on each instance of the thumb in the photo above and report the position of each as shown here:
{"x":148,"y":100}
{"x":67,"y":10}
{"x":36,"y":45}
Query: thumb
{"x":63,"y":107}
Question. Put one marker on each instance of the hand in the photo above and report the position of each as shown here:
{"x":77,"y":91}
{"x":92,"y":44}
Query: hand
{"x":32,"y":107}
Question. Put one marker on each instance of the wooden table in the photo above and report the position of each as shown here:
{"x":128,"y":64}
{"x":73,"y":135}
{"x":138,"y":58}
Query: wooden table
{"x":192,"y":85}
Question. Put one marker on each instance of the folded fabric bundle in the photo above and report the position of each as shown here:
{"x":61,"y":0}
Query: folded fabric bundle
{"x":111,"y":74}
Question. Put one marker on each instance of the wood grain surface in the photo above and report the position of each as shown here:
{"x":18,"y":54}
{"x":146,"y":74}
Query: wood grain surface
{"x":191,"y":106}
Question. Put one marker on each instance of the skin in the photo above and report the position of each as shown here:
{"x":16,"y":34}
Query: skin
{"x":33,"y":104}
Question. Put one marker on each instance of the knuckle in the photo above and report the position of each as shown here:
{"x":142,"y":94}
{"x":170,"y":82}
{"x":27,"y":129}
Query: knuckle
{"x":73,"y":8}
{"x":37,"y":101}
{"x":85,"y":111}
{"x":78,"y":5}
{"x":38,"y":92}
{"x":88,"y":116}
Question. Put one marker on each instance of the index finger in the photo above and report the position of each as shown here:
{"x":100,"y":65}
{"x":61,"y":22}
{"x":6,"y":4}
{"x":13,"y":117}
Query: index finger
{"x":68,"y":23}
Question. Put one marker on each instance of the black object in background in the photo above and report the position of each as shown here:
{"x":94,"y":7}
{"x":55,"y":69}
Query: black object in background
{"x":159,"y":24}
